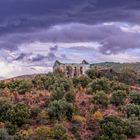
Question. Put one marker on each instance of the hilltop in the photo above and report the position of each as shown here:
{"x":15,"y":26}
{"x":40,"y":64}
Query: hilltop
{"x":54,"y":107}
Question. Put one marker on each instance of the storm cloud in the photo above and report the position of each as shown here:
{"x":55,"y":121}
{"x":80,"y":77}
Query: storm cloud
{"x":37,"y":32}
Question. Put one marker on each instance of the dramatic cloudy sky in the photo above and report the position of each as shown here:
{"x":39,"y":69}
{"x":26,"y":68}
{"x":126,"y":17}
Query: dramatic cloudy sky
{"x":34,"y":33}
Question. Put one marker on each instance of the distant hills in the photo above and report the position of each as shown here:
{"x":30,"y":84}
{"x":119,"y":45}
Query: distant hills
{"x":119,"y":66}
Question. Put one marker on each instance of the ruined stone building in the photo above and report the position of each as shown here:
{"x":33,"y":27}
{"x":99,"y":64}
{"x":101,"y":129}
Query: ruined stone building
{"x":72,"y":69}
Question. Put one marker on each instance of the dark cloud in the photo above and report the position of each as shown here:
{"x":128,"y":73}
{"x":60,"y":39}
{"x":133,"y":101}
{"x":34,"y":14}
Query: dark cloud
{"x":25,"y":21}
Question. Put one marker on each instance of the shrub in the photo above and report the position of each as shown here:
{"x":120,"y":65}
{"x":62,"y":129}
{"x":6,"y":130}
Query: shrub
{"x":135,"y":98}
{"x":99,"y":84}
{"x":43,"y":133}
{"x":60,"y":133}
{"x":79,"y":119}
{"x":97,"y":116}
{"x":4,"y":135}
{"x":60,"y":88}
{"x":100,"y":98}
{"x":20,"y":86}
{"x":11,"y":128}
{"x":35,"y":111}
{"x":60,"y":109}
{"x":44,"y":81}
{"x":133,"y":128}
{"x":2,"y":85}
{"x":115,"y":85}
{"x":118,"y":97}
{"x":70,"y":97}
{"x":133,"y":110}
{"x":114,"y":128}
{"x":92,"y":73}
{"x":82,"y":81}
{"x":21,"y":114}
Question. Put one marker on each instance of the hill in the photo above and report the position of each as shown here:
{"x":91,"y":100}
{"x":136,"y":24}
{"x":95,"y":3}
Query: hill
{"x":119,"y":66}
{"x":54,"y":107}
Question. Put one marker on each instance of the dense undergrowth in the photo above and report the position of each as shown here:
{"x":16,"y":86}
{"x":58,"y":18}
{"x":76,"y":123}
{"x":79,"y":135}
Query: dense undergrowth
{"x":53,"y":107}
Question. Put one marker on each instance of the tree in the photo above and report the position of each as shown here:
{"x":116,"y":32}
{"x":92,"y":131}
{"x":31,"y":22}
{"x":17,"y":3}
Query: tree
{"x":118,"y":97}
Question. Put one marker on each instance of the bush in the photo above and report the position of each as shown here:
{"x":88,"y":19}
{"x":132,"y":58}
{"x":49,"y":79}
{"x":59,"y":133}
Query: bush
{"x":114,"y":128}
{"x":133,"y":128}
{"x":79,"y":119}
{"x":4,"y":135}
{"x":43,"y":133}
{"x":20,"y":86}
{"x":133,"y":110}
{"x":135,"y":98}
{"x":97,"y":116}
{"x":11,"y":128}
{"x":60,"y":88}
{"x":98,"y":85}
{"x":59,"y":132}
{"x":35,"y":111}
{"x":43,"y":81}
{"x":115,"y":85}
{"x":2,"y":85}
{"x":82,"y":81}
{"x":118,"y":97}
{"x":21,"y":114}
{"x":100,"y":98}
{"x":60,"y":109}
{"x":70,"y":97}
{"x":92,"y":73}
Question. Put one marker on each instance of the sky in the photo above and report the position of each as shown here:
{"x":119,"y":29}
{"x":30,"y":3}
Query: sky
{"x":35,"y":33}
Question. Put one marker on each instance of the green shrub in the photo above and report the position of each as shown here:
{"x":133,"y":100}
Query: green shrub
{"x":133,"y":110}
{"x":4,"y":135}
{"x":60,"y":109}
{"x":60,"y":88}
{"x":2,"y":85}
{"x":115,"y":85}
{"x":135,"y":98}
{"x":43,"y":133}
{"x":60,"y":133}
{"x":20,"y":86}
{"x":114,"y":128}
{"x":118,"y":97}
{"x":11,"y":128}
{"x":21,"y":114}
{"x":82,"y":81}
{"x":100,"y":98}
{"x":43,"y":81}
{"x":133,"y":128}
{"x":99,"y":84}
{"x":92,"y":73}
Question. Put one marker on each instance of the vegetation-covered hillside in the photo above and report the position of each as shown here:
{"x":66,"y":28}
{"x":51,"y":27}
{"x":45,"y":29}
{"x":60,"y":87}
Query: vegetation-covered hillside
{"x":119,"y":66}
{"x":53,"y":107}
